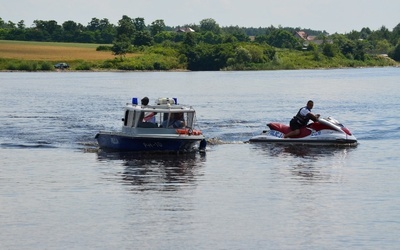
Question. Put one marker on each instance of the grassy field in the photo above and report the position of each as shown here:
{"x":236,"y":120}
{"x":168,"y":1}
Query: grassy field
{"x":42,"y":56}
{"x":49,"y":51}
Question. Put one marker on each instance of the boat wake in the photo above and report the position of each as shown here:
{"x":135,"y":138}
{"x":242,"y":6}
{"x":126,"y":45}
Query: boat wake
{"x":39,"y":144}
{"x":218,"y":141}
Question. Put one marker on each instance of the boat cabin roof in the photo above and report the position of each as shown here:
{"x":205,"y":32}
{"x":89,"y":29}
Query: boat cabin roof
{"x":164,"y":108}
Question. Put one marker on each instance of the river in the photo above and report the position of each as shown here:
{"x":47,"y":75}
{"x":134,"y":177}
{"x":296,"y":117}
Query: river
{"x":58,"y":191}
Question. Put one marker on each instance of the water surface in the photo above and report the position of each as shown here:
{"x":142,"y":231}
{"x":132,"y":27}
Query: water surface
{"x":58,"y":191}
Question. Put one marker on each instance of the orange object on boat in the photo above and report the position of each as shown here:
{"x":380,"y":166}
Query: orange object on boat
{"x":188,"y":131}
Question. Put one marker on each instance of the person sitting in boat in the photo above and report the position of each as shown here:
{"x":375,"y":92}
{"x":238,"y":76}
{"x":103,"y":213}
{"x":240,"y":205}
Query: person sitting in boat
{"x":301,"y":119}
{"x":175,"y":121}
{"x":147,"y":116}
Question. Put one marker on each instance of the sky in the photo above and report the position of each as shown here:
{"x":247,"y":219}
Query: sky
{"x":333,"y":16}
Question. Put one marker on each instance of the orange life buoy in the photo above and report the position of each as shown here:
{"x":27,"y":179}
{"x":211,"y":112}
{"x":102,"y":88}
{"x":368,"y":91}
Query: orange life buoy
{"x":186,"y":131}
{"x":182,"y":131}
{"x":196,"y":132}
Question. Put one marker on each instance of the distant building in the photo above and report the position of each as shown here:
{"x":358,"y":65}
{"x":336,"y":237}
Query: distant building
{"x":184,"y":30}
{"x":307,"y":39}
{"x":304,"y":36}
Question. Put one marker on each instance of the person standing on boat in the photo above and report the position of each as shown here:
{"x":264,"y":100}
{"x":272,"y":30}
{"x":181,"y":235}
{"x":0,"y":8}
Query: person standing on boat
{"x":147,"y":116}
{"x":301,"y":119}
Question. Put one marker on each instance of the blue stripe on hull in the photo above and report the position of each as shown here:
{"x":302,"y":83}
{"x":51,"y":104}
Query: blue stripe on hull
{"x":145,"y":144}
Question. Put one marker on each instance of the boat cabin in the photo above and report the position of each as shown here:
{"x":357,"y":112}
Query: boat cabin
{"x":165,"y":113}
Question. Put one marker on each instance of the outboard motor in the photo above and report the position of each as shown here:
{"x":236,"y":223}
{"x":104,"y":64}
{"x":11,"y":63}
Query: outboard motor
{"x":203,"y":145}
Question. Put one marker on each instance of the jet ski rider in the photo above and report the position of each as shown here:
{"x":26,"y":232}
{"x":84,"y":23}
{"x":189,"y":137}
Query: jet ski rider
{"x":301,"y":120}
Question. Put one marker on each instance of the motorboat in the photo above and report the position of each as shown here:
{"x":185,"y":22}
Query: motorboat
{"x":325,"y":131}
{"x":165,"y":126}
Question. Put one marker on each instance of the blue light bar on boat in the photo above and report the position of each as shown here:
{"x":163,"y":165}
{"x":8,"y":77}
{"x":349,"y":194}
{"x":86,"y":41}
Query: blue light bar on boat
{"x":134,"y":101}
{"x":175,"y":100}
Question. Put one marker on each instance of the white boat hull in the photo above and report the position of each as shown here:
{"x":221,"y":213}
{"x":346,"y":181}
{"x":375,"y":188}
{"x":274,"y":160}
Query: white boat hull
{"x":327,"y":137}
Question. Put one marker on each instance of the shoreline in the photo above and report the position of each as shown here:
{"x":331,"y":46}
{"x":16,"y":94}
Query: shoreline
{"x":183,"y":70}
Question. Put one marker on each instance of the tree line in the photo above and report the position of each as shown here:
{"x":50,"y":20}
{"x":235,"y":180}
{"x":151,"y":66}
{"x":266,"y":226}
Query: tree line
{"x":103,"y":32}
{"x":207,"y":45}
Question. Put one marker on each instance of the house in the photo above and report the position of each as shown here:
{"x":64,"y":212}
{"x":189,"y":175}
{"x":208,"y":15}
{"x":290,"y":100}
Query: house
{"x":304,"y":36}
{"x":184,"y":30}
{"x":309,"y":39}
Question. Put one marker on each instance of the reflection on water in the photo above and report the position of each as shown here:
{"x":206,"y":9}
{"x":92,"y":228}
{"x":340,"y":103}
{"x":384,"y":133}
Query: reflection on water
{"x":157,"y":172}
{"x":309,"y":163}
{"x":304,"y":151}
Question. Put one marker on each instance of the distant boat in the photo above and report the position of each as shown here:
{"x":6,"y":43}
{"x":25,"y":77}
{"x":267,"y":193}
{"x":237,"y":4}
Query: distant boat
{"x":164,"y":127}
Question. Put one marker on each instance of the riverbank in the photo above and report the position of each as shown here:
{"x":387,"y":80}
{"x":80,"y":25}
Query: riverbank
{"x":42,"y":56}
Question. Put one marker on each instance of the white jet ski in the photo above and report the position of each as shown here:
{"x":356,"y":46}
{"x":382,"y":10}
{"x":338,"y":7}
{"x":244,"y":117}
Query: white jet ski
{"x":326,"y":131}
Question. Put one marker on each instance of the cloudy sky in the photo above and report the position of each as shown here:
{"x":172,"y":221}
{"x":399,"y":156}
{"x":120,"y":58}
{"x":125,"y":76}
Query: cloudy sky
{"x":341,"y":16}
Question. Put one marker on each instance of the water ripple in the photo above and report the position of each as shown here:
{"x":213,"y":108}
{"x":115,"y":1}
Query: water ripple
{"x":40,"y":144}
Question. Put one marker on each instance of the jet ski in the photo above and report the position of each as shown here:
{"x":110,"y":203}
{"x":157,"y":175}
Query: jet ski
{"x":325,"y":131}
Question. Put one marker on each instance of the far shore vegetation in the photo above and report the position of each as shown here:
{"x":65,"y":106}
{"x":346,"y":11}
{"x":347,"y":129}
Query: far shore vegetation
{"x":133,"y":45}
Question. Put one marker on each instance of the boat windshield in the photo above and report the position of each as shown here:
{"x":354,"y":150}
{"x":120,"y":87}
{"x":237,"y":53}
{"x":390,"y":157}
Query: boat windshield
{"x":170,"y":119}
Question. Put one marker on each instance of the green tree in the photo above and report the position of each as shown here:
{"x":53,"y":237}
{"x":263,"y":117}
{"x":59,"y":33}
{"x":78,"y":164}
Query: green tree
{"x":312,"y":47}
{"x":383,"y":47}
{"x":142,"y":38}
{"x":10,"y":25}
{"x":395,"y":55}
{"x":238,"y":33}
{"x":163,"y":36}
{"x":139,"y":24}
{"x":382,"y":33}
{"x":359,"y":51}
{"x":121,"y":45}
{"x":71,"y":31}
{"x":211,"y":25}
{"x":157,"y":27}
{"x":33,"y":34}
{"x":126,"y":28}
{"x":228,"y":38}
{"x":395,"y":38}
{"x":352,"y":49}
{"x":353,"y":35}
{"x":364,"y":33}
{"x":281,"y":38}
{"x":206,"y":57}
{"x":258,"y":53}
{"x":50,"y":30}
{"x":179,"y":37}
{"x":261,"y":39}
{"x":94,"y":24}
{"x":107,"y":31}
{"x":85,"y":37}
{"x":21,"y":25}
{"x":211,"y":38}
{"x":328,"y":50}
{"x":347,"y":47}
{"x":190,"y":39}
{"x":242,"y":55}
{"x":52,"y":27}
{"x":105,"y":24}
{"x":15,"y":34}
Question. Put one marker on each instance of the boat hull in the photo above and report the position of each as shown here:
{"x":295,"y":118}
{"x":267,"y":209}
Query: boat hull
{"x":325,"y":131}
{"x":123,"y":142}
{"x":327,"y":137}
